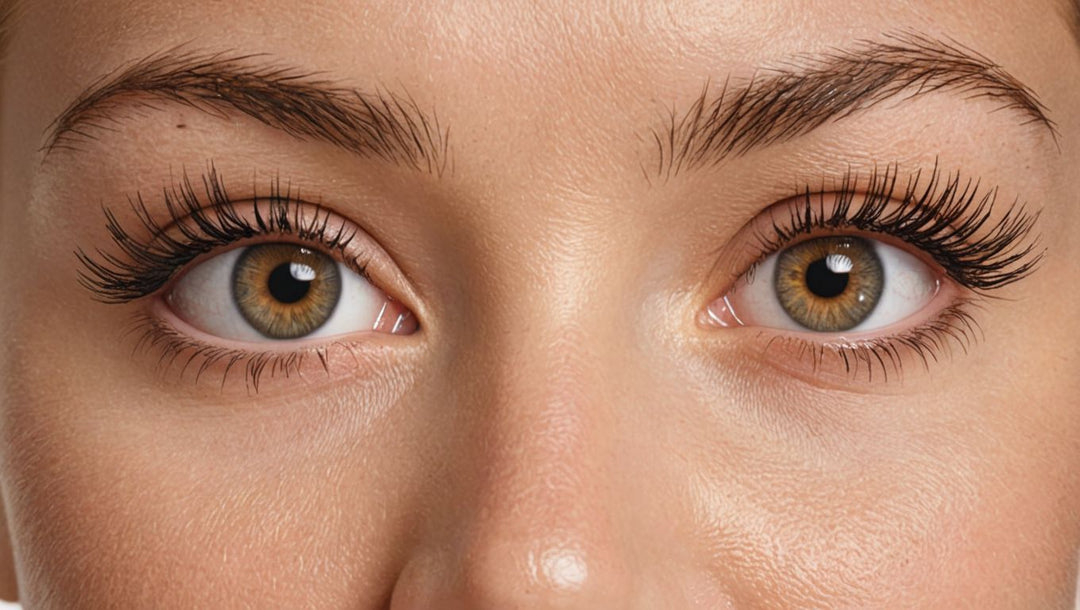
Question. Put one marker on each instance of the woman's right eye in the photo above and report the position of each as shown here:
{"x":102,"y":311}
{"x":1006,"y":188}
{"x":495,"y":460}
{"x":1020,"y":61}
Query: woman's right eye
{"x":282,"y":291}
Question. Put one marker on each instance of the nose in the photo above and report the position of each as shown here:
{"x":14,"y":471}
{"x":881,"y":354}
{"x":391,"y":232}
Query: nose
{"x":531,"y":516}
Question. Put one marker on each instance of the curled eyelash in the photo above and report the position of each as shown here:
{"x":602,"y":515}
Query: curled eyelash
{"x":954,"y":221}
{"x":147,"y":264}
{"x":950,"y":219}
{"x":202,"y":218}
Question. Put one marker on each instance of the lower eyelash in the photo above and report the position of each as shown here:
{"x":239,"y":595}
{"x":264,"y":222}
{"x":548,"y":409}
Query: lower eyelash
{"x":176,"y":349}
{"x":953,"y":327}
{"x":951,"y":221}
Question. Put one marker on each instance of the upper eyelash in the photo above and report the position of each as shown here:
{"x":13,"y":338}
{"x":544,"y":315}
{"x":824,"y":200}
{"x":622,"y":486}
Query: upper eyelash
{"x":148,"y":264}
{"x":948,"y":218}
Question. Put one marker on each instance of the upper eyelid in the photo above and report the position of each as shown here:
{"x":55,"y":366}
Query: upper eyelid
{"x":256,"y":240}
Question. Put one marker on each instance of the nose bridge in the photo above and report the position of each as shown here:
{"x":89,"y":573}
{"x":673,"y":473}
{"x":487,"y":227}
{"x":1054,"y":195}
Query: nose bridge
{"x":543,"y":519}
{"x":532,"y":523}
{"x":531,"y":513}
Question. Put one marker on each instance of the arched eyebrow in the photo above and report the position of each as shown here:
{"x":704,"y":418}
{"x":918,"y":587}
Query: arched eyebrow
{"x":383,"y":125}
{"x":792,"y":99}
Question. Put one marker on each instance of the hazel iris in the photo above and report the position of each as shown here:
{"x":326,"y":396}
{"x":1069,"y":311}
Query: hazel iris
{"x":829,"y":284}
{"x":285,"y":291}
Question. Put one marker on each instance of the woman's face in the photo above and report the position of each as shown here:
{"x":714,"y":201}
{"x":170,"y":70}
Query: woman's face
{"x":348,"y":304}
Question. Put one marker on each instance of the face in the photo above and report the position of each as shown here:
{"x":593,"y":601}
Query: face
{"x":349,"y":304}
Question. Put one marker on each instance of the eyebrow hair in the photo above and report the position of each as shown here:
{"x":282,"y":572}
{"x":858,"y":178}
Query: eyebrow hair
{"x":383,"y":125}
{"x":1071,"y":9}
{"x":8,"y":10}
{"x":792,"y":99}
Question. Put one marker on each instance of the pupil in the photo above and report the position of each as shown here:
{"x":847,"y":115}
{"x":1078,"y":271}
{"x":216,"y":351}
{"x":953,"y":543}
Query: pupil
{"x":823,"y":282}
{"x":284,"y":286}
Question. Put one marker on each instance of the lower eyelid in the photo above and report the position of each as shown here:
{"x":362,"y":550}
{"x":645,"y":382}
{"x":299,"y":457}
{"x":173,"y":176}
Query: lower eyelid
{"x":161,"y":311}
{"x":174,"y":349}
{"x":869,"y":360}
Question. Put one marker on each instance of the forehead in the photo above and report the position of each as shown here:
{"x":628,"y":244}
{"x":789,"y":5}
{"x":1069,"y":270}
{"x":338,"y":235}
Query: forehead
{"x":557,"y":50}
{"x":591,"y":76}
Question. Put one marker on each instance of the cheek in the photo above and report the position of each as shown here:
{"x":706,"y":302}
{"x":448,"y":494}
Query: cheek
{"x":744,"y":486}
{"x":117,"y":495}
{"x":822,"y":499}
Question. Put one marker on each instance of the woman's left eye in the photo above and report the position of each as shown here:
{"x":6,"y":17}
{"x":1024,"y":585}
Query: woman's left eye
{"x":282,"y":291}
{"x":830,"y":284}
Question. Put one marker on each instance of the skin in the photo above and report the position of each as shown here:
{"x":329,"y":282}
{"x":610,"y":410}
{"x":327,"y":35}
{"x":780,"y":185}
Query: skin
{"x":563,"y":431}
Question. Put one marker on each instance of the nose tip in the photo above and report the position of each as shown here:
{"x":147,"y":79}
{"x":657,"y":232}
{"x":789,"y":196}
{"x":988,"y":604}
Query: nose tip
{"x":534,"y":539}
{"x":543,"y":574}
{"x":512,"y":561}
{"x":548,"y":575}
{"x":560,"y":569}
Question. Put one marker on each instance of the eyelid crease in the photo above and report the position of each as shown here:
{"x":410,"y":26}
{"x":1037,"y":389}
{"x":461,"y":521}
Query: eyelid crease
{"x":145,"y":265}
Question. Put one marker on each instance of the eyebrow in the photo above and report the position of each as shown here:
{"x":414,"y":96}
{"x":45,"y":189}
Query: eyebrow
{"x":1071,"y":12}
{"x":383,"y":125}
{"x":9,"y":9}
{"x":792,"y":99}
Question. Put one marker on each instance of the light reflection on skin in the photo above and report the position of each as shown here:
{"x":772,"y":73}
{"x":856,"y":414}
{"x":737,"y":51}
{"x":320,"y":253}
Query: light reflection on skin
{"x":563,"y":570}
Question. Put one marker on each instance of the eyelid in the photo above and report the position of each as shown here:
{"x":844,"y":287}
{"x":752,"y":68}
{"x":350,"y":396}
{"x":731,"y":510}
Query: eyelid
{"x":179,"y":351}
{"x":153,"y":254}
{"x":202,"y":224}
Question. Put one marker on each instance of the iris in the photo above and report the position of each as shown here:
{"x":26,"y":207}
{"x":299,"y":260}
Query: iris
{"x":285,"y":291}
{"x":829,"y":284}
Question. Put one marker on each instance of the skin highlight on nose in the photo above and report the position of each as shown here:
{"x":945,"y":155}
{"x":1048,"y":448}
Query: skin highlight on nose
{"x":560,"y":569}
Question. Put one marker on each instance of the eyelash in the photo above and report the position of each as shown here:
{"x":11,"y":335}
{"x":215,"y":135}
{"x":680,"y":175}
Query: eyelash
{"x":947,"y":218}
{"x":149,"y":264}
{"x":941,"y":219}
{"x":173,"y":345}
{"x":193,"y":229}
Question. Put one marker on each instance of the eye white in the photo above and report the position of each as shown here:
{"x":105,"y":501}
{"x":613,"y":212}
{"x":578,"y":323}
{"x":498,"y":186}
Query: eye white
{"x":204,"y":298}
{"x":909,"y":285}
